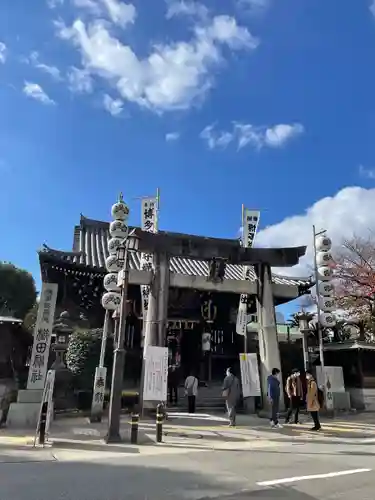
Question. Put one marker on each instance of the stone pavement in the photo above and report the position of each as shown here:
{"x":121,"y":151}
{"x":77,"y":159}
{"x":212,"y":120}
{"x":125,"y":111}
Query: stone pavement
{"x":200,"y":431}
{"x":279,"y":468}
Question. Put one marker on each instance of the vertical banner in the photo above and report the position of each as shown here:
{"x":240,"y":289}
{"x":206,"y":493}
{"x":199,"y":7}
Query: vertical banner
{"x":250,"y":221}
{"x":250,"y":375}
{"x":49,"y":388}
{"x":149,"y":223}
{"x":42,"y":336}
{"x":99,"y":392}
{"x":156,"y":374}
{"x":46,"y":398}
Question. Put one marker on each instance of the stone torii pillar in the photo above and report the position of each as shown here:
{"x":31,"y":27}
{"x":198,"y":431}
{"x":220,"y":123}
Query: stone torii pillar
{"x":267,"y":334}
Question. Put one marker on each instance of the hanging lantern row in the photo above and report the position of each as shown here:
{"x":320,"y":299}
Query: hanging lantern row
{"x":118,"y":230}
{"x":324,"y":286}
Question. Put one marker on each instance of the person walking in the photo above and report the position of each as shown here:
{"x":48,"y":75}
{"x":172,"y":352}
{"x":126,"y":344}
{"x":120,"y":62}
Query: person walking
{"x":231,"y":394}
{"x":191,"y":391}
{"x":313,"y":404}
{"x":273,"y":392}
{"x":294,"y":391}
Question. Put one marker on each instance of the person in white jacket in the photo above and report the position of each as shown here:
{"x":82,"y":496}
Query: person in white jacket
{"x":191,"y":391}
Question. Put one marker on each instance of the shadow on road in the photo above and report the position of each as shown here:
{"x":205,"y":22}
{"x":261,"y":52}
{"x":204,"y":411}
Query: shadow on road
{"x":118,"y":478}
{"x":274,"y":493}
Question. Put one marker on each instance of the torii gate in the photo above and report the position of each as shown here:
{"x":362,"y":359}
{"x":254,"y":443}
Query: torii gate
{"x":218,"y":252}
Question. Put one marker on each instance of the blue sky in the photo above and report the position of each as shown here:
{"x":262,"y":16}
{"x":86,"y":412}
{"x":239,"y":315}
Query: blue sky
{"x":261,"y":102}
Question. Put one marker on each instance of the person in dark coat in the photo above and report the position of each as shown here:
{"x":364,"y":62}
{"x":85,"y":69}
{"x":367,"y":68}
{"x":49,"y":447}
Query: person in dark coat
{"x":231,"y":393}
{"x":273,"y":392}
{"x":294,"y":390}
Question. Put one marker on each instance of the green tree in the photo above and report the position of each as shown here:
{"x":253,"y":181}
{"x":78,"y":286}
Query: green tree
{"x":17,"y":290}
{"x":83,"y":353}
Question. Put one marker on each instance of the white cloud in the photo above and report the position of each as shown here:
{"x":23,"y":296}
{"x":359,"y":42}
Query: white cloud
{"x":172,"y":136}
{"x":372,"y":8}
{"x":369,"y":173}
{"x":245,"y":134}
{"x":90,"y":5}
{"x":120,"y":13}
{"x":80,"y":81}
{"x":3,"y":52}
{"x":278,"y":135}
{"x":53,"y":71}
{"x":53,"y":4}
{"x":36,"y":92}
{"x":173,"y":76}
{"x":349,"y":212}
{"x":183,"y":8}
{"x":216,"y":139}
{"x":113,"y":106}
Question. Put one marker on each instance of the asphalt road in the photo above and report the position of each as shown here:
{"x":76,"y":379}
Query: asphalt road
{"x":279,"y":471}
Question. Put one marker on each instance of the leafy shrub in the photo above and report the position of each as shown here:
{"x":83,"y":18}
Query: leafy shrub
{"x":83,"y":354}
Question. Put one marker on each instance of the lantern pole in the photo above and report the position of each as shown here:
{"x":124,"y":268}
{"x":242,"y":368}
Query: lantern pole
{"x":113,"y":435}
{"x":319,"y":326}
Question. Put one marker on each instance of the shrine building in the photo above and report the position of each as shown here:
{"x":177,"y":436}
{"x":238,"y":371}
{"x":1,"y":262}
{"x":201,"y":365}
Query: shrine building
{"x":191,"y":312}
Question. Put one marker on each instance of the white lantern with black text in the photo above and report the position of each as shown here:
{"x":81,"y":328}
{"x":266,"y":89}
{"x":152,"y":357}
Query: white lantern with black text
{"x":113,"y":245}
{"x":110,"y":282}
{"x":325,"y":273}
{"x":327,"y":319}
{"x":111,"y":300}
{"x":323,"y":243}
{"x":323,"y":259}
{"x":113,"y":264}
{"x":118,"y":229}
{"x":327,"y":304}
{"x":325,"y":288}
{"x":120,"y":210}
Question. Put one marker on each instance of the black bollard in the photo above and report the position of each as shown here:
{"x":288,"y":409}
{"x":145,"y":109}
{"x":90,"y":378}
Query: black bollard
{"x":159,"y":423}
{"x":42,"y":424}
{"x":134,"y":428}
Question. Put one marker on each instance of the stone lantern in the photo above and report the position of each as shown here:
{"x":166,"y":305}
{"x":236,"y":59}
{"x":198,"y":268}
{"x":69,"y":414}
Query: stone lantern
{"x":63,"y":394}
{"x":62,"y":329}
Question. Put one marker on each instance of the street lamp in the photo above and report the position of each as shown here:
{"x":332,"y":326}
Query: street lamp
{"x":129,"y":244}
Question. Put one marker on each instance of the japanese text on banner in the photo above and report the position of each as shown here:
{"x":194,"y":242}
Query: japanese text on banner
{"x":99,"y":389}
{"x":250,"y":225}
{"x":42,"y":336}
{"x":149,"y":223}
{"x":156,"y":374}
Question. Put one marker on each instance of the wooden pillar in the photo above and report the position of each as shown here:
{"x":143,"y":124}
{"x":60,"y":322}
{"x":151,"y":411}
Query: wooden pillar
{"x":267,"y":336}
{"x":151,"y":330}
{"x":163,"y":293}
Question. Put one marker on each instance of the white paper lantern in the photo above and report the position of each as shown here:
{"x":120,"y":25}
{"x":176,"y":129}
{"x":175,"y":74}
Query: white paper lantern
{"x":110,"y":282}
{"x":323,"y":258}
{"x":327,"y":319}
{"x":327,"y":304}
{"x":111,"y":300}
{"x":118,"y":229}
{"x":113,"y":245}
{"x":325,"y":273}
{"x":112,"y":264}
{"x":120,"y":211}
{"x":326,"y":288}
{"x":323,"y":243}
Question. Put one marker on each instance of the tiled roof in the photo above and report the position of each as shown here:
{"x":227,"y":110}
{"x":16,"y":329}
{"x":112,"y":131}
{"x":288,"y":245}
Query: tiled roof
{"x":90,"y":249}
